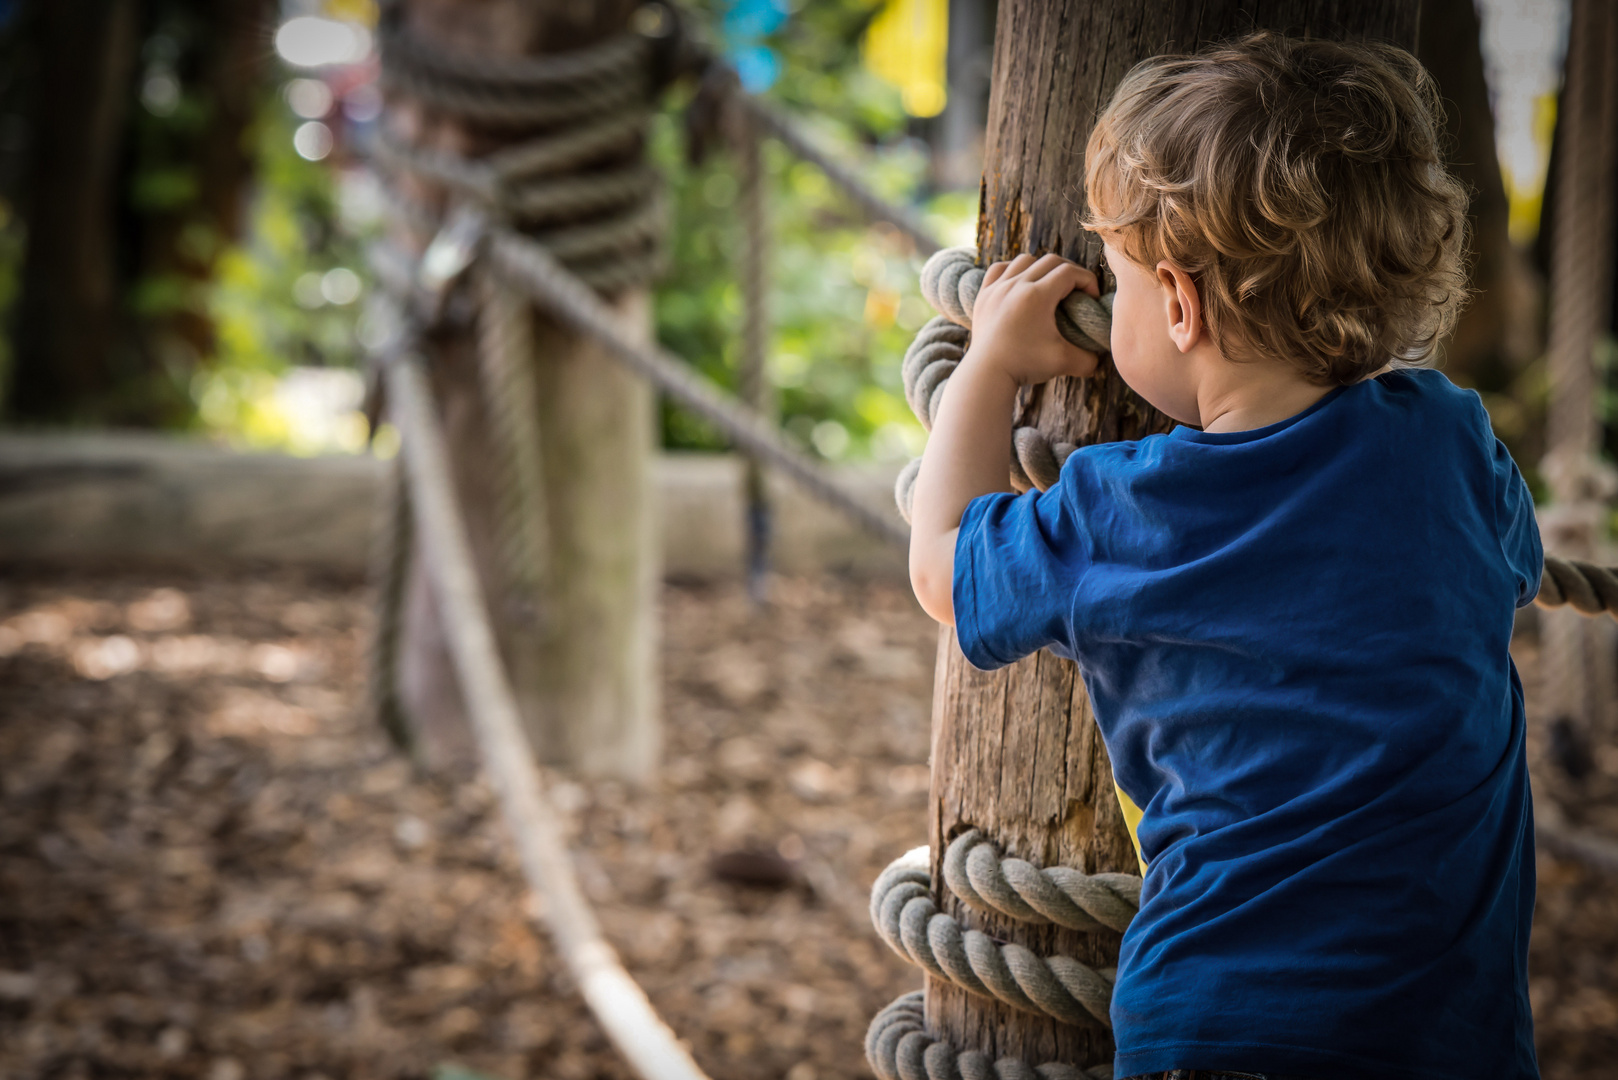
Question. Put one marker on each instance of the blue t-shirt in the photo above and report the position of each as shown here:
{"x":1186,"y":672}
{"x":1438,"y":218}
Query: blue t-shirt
{"x":1295,"y":639}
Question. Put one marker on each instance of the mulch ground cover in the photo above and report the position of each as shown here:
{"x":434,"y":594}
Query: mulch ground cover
{"x":211,"y":866}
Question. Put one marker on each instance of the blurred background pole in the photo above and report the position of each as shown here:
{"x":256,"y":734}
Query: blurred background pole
{"x":580,"y":652}
{"x":1580,"y":655}
{"x":753,"y":382}
{"x":958,"y":147}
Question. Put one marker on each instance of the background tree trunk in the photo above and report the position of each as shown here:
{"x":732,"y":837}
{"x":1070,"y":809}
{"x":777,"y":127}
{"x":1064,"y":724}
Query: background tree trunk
{"x":83,"y":352}
{"x":67,"y":318}
{"x":584,"y":676}
{"x":1496,"y":334}
{"x":1016,"y":752}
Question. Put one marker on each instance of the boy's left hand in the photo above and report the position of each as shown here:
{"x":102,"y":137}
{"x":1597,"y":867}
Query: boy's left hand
{"x":1014,"y":319}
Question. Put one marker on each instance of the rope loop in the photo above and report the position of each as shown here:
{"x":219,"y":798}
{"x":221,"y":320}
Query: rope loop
{"x":950,"y":282}
{"x":975,"y":871}
{"x":577,"y":187}
{"x":908,"y":920}
{"x":897,"y":1047}
{"x":951,"y":279}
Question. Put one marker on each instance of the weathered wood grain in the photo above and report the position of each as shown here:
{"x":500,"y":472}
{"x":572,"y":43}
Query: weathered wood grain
{"x":1016,"y":752}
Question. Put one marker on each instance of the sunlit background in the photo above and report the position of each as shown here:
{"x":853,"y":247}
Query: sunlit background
{"x":279,"y":312}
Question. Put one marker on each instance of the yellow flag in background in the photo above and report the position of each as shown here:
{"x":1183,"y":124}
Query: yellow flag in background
{"x":905,"y":45}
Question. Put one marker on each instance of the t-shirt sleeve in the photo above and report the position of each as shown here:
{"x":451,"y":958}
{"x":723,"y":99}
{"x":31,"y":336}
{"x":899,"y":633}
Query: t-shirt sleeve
{"x":1017,"y":563}
{"x":1517,"y":525}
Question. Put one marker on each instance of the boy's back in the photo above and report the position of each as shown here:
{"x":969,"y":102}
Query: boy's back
{"x":1295,"y":639}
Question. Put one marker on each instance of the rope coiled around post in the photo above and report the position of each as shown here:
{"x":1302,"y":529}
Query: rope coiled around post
{"x":898,"y":1047}
{"x":528,"y":91}
{"x":950,"y":282}
{"x":906,"y":917}
{"x":976,"y":873}
{"x":595,"y":105}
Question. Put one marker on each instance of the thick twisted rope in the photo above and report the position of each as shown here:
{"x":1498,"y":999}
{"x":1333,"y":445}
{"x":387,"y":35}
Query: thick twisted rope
{"x":950,"y":282}
{"x":897,"y":1047}
{"x":951,"y":279}
{"x":976,"y":873}
{"x":1060,"y":987}
{"x":531,"y":91}
{"x":1586,"y":587}
{"x":596,"y":103}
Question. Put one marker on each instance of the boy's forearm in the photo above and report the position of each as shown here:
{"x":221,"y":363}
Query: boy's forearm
{"x":967,"y":455}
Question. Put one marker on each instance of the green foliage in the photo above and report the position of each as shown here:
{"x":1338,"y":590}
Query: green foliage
{"x":266,"y":301}
{"x":843,"y":295}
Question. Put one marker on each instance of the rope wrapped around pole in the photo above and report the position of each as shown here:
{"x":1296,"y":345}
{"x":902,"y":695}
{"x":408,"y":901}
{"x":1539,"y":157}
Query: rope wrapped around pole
{"x":903,"y":911}
{"x":595,"y":105}
{"x":976,"y":873}
{"x":617,"y":1002}
{"x":898,"y":1047}
{"x":950,"y":282}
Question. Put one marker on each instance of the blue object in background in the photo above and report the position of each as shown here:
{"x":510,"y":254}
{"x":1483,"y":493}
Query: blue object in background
{"x":757,"y":66}
{"x":745,"y":24}
{"x":8,"y":9}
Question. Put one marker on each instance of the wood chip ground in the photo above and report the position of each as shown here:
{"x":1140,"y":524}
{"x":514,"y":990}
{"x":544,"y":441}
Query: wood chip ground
{"x":210,"y":867}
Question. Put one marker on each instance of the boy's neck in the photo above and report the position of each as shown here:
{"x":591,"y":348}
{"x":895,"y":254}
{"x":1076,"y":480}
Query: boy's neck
{"x":1249,"y":394}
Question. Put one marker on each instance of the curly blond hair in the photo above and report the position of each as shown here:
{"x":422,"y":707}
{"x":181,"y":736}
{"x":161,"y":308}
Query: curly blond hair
{"x":1300,"y":183}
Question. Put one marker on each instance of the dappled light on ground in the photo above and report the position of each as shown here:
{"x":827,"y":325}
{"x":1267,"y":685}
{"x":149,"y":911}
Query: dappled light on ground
{"x":210,"y":867}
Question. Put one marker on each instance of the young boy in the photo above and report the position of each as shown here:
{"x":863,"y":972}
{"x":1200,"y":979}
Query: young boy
{"x":1292,"y":613}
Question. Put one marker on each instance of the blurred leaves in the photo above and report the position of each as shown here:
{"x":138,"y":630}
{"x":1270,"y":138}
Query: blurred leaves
{"x":266,"y":300}
{"x":843,"y":299}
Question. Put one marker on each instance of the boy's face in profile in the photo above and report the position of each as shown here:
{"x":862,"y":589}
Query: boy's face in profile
{"x":1145,"y":311}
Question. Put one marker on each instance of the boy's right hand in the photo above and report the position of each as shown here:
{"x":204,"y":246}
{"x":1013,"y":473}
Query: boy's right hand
{"x":1014,"y":319}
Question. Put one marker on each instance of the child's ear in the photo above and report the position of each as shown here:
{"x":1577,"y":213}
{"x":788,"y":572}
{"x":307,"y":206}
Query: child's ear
{"x":1182,"y":305}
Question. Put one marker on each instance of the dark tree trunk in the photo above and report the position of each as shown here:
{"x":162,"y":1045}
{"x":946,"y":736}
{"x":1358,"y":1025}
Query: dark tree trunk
{"x":1016,"y":752}
{"x":81,"y":353}
{"x":1495,"y":336}
{"x":67,"y":318}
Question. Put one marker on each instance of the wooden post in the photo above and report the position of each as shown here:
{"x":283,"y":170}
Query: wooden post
{"x":582,"y":658}
{"x":1016,"y":752}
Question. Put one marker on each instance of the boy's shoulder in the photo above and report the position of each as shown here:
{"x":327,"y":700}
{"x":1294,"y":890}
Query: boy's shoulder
{"x":1431,"y":389}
